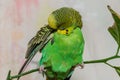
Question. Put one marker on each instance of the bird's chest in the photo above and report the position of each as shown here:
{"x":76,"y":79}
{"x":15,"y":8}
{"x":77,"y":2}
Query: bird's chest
{"x":68,"y":43}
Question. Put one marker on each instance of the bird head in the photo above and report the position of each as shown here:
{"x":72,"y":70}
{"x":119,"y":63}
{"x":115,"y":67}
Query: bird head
{"x":65,"y":20}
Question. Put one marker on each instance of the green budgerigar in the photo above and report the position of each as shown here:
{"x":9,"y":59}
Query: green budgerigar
{"x":61,"y":43}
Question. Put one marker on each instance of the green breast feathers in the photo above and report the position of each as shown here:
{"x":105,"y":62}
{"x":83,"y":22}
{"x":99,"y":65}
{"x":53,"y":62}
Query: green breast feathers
{"x":65,"y":52}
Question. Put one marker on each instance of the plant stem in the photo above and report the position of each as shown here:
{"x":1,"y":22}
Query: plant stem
{"x":117,"y":50}
{"x":86,"y":62}
{"x":101,"y":60}
{"x":22,"y":74}
{"x":109,"y":65}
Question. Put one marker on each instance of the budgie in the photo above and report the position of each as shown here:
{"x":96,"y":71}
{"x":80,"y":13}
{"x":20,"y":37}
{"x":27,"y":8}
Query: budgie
{"x":61,"y":43}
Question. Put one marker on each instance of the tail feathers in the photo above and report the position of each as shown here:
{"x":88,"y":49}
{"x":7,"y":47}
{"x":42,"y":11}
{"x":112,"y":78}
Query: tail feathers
{"x":25,"y":65}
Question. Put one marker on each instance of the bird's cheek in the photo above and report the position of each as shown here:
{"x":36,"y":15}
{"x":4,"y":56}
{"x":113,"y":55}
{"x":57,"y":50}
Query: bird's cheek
{"x":61,"y":31}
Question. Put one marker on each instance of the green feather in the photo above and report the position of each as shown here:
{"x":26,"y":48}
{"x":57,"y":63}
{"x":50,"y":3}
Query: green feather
{"x":64,"y":53}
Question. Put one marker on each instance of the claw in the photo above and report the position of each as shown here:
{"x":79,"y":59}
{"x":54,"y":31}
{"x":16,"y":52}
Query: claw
{"x":80,"y":65}
{"x":42,"y":69}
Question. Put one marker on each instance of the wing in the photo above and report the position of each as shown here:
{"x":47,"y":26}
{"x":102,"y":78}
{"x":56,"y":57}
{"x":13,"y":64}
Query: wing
{"x":38,"y":41}
{"x":35,"y":44}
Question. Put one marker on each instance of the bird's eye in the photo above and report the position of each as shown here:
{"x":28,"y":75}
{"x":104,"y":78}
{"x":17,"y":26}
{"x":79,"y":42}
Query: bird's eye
{"x":62,"y":28}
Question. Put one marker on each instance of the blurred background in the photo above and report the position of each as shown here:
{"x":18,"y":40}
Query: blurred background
{"x":21,"y":19}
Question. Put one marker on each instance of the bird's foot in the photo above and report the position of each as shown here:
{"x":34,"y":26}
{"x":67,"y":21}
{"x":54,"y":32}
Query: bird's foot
{"x":42,"y":69}
{"x":80,"y":65}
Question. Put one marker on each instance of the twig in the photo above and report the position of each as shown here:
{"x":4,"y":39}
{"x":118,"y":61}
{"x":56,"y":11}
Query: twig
{"x":85,"y":62}
{"x":102,"y":60}
{"x":117,"y":50}
{"x":25,"y":73}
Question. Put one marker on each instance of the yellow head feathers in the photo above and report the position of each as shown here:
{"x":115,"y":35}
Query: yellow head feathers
{"x":64,"y":17}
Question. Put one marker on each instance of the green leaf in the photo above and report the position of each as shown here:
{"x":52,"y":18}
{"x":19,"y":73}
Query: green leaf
{"x":8,"y":76}
{"x":115,"y":28}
